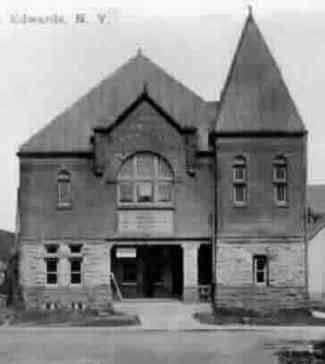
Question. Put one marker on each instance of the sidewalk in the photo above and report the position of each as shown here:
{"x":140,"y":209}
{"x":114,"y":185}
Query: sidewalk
{"x":165,"y":315}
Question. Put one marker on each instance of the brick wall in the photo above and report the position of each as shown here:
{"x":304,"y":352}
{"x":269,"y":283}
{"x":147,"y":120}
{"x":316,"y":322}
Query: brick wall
{"x":261,"y":217}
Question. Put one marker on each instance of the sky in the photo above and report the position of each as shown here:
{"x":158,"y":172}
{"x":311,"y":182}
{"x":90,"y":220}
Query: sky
{"x":45,"y":68}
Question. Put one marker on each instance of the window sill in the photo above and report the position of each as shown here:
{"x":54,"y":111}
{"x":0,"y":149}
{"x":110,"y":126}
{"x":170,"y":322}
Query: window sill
{"x":64,"y":206}
{"x":282,"y":204}
{"x":75,"y":285}
{"x":51,"y":286}
{"x":240,"y":204}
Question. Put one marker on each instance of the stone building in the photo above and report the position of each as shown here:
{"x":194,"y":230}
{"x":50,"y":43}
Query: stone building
{"x":143,"y":189}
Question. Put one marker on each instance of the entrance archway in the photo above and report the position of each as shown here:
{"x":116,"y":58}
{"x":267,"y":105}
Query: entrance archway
{"x":148,"y":271}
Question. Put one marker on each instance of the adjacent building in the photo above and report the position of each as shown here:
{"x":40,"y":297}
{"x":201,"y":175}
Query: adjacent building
{"x":144,"y":189}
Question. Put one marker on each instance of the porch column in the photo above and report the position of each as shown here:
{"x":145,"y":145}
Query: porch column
{"x":190,"y":272}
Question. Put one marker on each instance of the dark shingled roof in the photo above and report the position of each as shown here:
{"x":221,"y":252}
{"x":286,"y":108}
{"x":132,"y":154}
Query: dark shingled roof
{"x":255,"y":97}
{"x":71,"y":131}
{"x":316,"y":198}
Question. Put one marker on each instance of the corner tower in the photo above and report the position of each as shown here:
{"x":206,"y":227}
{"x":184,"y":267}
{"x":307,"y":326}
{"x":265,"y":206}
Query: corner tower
{"x":260,"y":151}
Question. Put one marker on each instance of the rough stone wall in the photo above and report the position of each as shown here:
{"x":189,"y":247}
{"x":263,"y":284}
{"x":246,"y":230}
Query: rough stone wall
{"x":287,"y":272}
{"x":94,"y":289}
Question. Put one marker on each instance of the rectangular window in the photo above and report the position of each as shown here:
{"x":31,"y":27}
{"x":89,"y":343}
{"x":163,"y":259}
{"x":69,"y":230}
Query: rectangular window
{"x":280,"y":193}
{"x":51,"y":270}
{"x":261,"y":270}
{"x":126,"y":192}
{"x":64,"y":190}
{"x":240,"y":193}
{"x":75,"y":270}
{"x":129,"y":271}
{"x":164,"y":193}
{"x":144,"y":192}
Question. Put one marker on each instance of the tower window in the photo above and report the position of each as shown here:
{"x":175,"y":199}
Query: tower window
{"x":239,"y":181}
{"x":280,"y":181}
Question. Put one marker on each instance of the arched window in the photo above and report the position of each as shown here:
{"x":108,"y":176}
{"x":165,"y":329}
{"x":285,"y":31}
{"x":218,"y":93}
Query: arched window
{"x":239,"y":181}
{"x":64,"y":188}
{"x":145,"y":178}
{"x":280,"y":180}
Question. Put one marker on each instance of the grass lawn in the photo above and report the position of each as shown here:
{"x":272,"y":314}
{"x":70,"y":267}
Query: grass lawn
{"x":281,"y":317}
{"x":64,"y":317}
{"x":316,"y":355}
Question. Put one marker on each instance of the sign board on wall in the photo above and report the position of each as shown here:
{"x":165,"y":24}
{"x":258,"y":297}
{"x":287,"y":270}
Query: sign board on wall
{"x":145,"y":221}
{"x":125,"y":252}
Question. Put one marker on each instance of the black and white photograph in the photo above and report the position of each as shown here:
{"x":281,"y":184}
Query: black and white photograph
{"x":163,"y":182}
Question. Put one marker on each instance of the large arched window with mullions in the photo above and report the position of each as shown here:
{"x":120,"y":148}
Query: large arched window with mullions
{"x":145,"y":178}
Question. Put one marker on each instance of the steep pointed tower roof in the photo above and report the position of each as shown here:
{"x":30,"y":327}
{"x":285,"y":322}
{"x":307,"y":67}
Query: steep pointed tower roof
{"x":255,"y":98}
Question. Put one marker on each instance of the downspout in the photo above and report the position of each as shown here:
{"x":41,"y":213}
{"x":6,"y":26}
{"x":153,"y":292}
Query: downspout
{"x":214,"y":227}
{"x":306,"y":217}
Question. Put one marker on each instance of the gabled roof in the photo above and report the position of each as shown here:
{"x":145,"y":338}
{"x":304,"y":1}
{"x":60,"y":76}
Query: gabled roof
{"x":71,"y":131}
{"x":255,"y":97}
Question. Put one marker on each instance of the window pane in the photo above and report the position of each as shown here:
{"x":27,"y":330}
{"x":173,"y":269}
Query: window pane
{"x":281,"y":192}
{"x":260,"y":264}
{"x":260,"y":277}
{"x":51,"y":265}
{"x":164,"y":192}
{"x":239,"y":173}
{"x":52,"y":248}
{"x":75,"y":278}
{"x":51,"y":278}
{"x":280,"y":173}
{"x":75,"y":265}
{"x":164,"y":170}
{"x":75,"y":248}
{"x":126,"y":192}
{"x":240,"y":193}
{"x":64,"y":191}
{"x":144,"y":192}
{"x":127,"y":169}
{"x":145,"y":166}
{"x":129,"y":272}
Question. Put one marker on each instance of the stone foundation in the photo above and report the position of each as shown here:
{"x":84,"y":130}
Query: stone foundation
{"x":261,"y":298}
{"x":96,"y":297}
